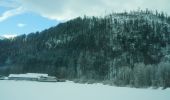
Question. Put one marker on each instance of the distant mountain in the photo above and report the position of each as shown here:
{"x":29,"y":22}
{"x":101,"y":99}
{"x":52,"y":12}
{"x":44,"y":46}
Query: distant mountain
{"x":1,"y":37}
{"x":120,"y":48}
{"x":9,"y":36}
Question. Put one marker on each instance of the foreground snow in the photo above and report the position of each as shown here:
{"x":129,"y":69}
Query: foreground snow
{"x":27,"y":90}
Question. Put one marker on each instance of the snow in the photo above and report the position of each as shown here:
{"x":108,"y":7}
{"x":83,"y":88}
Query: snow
{"x":30,"y":75}
{"x":32,"y":90}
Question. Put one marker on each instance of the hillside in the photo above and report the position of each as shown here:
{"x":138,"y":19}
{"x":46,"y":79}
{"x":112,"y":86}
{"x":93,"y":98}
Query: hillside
{"x":122,"y":48}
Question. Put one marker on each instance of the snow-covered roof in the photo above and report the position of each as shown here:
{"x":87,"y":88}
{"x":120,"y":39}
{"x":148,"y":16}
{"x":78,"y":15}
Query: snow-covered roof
{"x":29,"y":75}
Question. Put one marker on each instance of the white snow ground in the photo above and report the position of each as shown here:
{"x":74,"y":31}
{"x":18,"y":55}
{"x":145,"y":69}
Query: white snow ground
{"x":27,"y":90}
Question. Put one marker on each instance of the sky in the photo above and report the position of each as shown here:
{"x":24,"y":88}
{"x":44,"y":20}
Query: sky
{"x":26,"y":16}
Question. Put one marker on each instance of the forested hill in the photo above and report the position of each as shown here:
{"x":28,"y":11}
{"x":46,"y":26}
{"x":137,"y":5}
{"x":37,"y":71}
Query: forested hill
{"x":122,"y":48}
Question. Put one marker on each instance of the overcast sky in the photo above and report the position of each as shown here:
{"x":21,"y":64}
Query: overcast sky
{"x":62,"y":10}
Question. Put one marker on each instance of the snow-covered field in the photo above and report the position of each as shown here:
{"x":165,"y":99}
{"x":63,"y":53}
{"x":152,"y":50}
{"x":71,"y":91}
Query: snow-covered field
{"x":27,"y":90}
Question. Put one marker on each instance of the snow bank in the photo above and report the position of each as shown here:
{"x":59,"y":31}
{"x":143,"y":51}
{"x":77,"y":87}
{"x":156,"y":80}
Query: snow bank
{"x":28,"y":90}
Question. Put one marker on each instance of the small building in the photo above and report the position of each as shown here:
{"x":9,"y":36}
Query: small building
{"x":27,"y":76}
{"x":47,"y":79}
{"x":3,"y":77}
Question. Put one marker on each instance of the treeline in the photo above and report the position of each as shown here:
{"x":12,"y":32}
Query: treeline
{"x":144,"y":75}
{"x":122,"y":48}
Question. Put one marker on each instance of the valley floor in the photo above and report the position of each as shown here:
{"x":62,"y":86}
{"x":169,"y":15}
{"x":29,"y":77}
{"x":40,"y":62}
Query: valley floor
{"x":27,"y":90}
